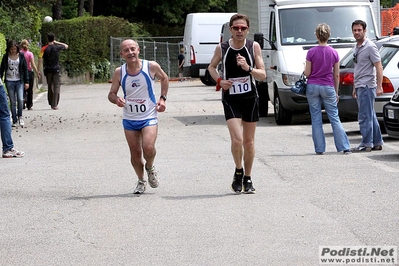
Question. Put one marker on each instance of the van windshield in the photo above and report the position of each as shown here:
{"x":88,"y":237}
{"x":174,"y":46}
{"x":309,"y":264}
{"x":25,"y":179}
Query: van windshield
{"x":298,"y":25}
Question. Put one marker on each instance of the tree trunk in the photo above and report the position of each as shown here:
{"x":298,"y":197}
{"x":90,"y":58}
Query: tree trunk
{"x":57,"y":10}
{"x":81,"y":8}
{"x":91,"y":7}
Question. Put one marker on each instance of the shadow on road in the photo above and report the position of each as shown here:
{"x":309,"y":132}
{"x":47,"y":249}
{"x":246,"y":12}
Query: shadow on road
{"x":201,"y":120}
{"x":197,"y":197}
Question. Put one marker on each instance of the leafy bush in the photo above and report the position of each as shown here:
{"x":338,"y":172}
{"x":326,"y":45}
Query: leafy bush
{"x":101,"y":70}
{"x":3,"y":44}
{"x":21,"y":23}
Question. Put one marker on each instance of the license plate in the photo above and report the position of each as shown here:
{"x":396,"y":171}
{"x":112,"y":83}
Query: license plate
{"x":391,"y":114}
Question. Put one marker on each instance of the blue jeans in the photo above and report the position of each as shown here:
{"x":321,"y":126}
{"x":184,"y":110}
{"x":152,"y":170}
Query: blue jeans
{"x":368,"y":123}
{"x":5,"y":123}
{"x":318,"y":95}
{"x":16,"y":94}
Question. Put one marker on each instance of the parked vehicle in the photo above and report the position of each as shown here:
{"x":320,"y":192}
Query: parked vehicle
{"x":288,"y":27}
{"x":225,"y":33}
{"x":201,"y":35}
{"x":391,"y":115}
{"x":347,"y":105}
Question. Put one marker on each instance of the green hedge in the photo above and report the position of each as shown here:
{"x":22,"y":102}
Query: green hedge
{"x":3,"y":44}
{"x":88,"y":39}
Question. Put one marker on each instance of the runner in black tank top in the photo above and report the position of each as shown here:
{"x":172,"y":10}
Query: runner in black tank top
{"x":242,"y":63}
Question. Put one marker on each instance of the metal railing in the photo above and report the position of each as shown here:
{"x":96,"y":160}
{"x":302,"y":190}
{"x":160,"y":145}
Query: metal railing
{"x":163,"y":50}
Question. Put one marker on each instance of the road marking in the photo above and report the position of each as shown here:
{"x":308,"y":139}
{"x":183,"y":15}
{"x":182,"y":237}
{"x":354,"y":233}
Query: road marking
{"x":39,"y":96}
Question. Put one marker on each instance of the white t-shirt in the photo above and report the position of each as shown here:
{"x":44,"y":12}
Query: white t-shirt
{"x":12,"y":73}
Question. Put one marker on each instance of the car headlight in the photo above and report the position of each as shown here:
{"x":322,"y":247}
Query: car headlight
{"x":289,"y":80}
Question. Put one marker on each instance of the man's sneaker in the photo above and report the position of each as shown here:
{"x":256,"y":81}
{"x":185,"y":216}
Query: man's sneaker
{"x":361,"y":149}
{"x":236,"y":186}
{"x":21,"y":121}
{"x":13,"y":153}
{"x":248,"y":187}
{"x":140,"y":188}
{"x":14,"y":124}
{"x":152,"y":177}
{"x":377,"y":148}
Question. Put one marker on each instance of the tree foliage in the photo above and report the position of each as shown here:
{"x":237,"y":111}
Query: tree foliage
{"x":171,"y":12}
{"x":87,"y":24}
{"x":20,"y":23}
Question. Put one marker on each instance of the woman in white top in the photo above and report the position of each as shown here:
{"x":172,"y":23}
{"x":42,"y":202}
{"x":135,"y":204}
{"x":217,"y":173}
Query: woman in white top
{"x":13,"y":65}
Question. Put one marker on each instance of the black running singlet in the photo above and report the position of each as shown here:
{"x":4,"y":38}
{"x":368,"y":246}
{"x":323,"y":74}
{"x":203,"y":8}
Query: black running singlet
{"x":244,"y":84}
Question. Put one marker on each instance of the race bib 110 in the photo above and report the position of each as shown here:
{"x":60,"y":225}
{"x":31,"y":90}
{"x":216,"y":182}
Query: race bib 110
{"x":240,"y":85}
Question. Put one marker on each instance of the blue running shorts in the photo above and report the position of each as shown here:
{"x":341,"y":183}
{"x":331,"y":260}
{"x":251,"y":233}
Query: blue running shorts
{"x":138,"y":125}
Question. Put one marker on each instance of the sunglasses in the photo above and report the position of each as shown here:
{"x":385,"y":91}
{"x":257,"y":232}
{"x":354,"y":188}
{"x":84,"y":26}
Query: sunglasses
{"x":355,"y":58}
{"x":237,"y":28}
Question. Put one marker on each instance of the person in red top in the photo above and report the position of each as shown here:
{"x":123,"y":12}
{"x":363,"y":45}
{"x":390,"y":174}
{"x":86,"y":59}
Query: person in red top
{"x":30,"y":60}
{"x":49,"y":58}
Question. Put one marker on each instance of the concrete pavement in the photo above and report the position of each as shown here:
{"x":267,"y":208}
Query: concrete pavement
{"x":69,"y":201}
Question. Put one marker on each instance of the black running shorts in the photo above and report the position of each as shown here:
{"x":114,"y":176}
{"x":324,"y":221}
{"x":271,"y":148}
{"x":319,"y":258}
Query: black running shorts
{"x":247,"y":109}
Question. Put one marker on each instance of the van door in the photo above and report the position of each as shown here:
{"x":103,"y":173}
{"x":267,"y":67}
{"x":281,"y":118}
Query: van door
{"x":269,"y":50}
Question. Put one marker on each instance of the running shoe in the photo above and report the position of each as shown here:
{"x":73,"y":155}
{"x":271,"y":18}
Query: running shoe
{"x":152,"y":177}
{"x":13,"y":153}
{"x":236,"y":186}
{"x":21,"y":121}
{"x":140,"y":188}
{"x":248,"y":187}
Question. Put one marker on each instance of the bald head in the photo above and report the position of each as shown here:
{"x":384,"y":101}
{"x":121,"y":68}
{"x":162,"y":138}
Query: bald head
{"x":130,"y":50}
{"x":129,"y":43}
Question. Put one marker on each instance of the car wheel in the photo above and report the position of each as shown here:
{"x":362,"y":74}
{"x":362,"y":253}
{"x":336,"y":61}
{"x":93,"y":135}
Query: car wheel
{"x":207,"y":79}
{"x":281,"y":115}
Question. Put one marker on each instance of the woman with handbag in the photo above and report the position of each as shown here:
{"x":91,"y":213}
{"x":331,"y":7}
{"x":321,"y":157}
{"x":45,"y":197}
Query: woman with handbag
{"x":322,"y":71}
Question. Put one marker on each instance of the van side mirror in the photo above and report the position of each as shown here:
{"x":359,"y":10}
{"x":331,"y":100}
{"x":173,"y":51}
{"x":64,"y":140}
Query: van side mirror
{"x":258,"y":37}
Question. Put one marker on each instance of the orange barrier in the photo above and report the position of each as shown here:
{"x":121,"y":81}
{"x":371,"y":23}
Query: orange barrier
{"x":389,"y":20}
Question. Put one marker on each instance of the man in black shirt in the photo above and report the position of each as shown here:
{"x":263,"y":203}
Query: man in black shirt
{"x":49,"y":57}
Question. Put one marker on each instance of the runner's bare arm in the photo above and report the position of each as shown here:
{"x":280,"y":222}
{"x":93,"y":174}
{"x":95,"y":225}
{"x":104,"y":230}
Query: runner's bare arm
{"x":113,"y":93}
{"x":157,"y":72}
{"x":259,"y":72}
{"x":212,"y":68}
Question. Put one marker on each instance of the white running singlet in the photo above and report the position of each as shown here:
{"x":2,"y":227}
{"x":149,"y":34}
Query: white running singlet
{"x":139,"y":94}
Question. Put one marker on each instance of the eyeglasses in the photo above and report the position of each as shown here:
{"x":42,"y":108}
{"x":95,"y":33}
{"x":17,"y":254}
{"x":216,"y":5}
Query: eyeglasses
{"x":237,"y":28}
{"x":355,"y":58}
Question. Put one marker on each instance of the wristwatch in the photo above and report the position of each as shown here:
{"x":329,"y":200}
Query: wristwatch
{"x":250,"y":69}
{"x":163,"y":97}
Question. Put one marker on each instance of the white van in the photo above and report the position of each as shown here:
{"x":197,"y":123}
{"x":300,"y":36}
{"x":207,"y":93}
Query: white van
{"x":225,"y":33}
{"x":201,"y":35}
{"x":286,"y":30}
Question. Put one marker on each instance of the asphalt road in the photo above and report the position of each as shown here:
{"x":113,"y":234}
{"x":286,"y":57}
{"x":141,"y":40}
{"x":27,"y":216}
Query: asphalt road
{"x":69,"y":201}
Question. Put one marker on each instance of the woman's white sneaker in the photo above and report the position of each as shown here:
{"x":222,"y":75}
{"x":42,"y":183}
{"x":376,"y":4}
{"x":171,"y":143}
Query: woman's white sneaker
{"x":21,"y":121}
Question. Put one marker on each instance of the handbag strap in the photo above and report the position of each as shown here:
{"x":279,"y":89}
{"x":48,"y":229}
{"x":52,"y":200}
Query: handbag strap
{"x":303,"y":77}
